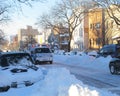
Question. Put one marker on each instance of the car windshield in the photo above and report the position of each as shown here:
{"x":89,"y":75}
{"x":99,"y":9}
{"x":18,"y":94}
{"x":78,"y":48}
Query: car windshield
{"x":42,"y":50}
{"x":15,"y":59}
{"x":118,"y":51}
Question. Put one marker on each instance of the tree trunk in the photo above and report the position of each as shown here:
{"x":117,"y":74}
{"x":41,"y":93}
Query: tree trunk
{"x":69,"y":49}
{"x":103,"y":27}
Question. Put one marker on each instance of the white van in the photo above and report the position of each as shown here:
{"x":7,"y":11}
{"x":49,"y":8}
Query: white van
{"x":42,"y":54}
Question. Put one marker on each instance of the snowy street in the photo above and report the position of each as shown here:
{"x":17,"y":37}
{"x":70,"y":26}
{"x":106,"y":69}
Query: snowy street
{"x":93,"y":77}
{"x":69,"y":75}
{"x":60,"y":48}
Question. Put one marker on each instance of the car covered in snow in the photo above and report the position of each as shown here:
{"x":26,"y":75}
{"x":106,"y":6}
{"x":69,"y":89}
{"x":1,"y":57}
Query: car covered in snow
{"x":42,"y":54}
{"x":17,"y":70}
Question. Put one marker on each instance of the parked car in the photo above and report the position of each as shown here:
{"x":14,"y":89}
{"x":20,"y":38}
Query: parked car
{"x":42,"y":54}
{"x":114,"y":65}
{"x":112,"y":49}
{"x":15,"y":70}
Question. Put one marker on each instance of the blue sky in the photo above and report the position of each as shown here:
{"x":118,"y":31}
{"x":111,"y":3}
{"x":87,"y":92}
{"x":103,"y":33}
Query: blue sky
{"x":29,"y":16}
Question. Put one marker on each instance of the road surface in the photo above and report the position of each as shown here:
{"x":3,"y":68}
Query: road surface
{"x":92,"y":77}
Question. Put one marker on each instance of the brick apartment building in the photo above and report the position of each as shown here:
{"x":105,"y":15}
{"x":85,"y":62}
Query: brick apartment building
{"x":26,"y":36}
{"x":62,"y":35}
{"x":96,"y":29}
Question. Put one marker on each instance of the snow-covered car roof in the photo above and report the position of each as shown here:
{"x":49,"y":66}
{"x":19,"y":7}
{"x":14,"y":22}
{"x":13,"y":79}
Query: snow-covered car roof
{"x":8,"y":53}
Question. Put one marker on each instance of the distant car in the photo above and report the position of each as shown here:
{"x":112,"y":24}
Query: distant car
{"x":59,"y":52}
{"x":45,"y":45}
{"x":15,"y":70}
{"x":71,"y":53}
{"x":112,"y":49}
{"x":42,"y":54}
{"x":92,"y":53}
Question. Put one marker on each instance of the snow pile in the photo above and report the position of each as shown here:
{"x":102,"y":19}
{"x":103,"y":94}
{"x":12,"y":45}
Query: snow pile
{"x":58,"y":81}
{"x":101,"y":63}
{"x":92,"y":53}
{"x":85,"y":60}
{"x":31,"y":75}
{"x":58,"y":84}
{"x":77,"y":90}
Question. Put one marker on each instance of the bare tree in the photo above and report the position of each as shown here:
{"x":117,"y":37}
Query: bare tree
{"x":71,"y":13}
{"x":68,"y":12}
{"x":4,"y":9}
{"x":112,"y":7}
{"x":29,"y":40}
{"x":2,"y":37}
{"x":47,"y":21}
{"x":9,"y":6}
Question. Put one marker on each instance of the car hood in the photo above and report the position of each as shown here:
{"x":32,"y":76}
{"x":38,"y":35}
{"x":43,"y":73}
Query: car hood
{"x":114,"y":59}
{"x":19,"y":74}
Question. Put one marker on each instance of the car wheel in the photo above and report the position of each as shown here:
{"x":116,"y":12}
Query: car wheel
{"x":113,"y":70}
{"x":4,"y":88}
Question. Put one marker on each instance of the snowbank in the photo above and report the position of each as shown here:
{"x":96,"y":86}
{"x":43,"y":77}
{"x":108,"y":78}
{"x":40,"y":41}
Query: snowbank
{"x":100,"y":63}
{"x":58,"y":84}
{"x":59,"y":81}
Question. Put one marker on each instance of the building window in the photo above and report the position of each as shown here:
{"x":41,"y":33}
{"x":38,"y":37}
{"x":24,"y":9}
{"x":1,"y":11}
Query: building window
{"x":90,"y":26}
{"x":93,"y":26}
{"x":97,"y":25}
